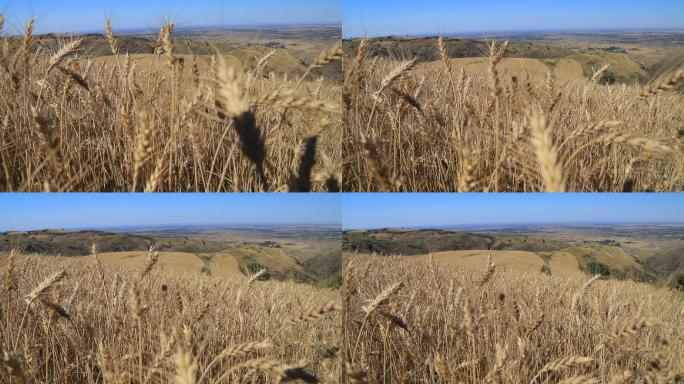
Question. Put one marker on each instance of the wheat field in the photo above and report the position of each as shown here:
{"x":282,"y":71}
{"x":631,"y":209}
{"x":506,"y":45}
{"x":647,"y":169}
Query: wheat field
{"x":64,"y":320}
{"x":178,"y":123}
{"x":411,"y":321}
{"x":440,"y":128}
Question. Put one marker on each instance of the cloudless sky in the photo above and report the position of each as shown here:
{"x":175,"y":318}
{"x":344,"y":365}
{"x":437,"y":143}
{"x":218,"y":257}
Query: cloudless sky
{"x":363,"y":211}
{"x":89,"y":15}
{"x":368,"y":18}
{"x":73,"y":210}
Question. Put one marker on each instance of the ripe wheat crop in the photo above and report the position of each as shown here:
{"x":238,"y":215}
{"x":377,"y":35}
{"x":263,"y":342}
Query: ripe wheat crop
{"x":68,"y":321}
{"x":182,"y":123}
{"x":440,"y":128}
{"x":410,"y":320}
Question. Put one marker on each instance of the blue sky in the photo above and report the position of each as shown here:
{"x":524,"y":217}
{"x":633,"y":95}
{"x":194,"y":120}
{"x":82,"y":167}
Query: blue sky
{"x":42,"y":211}
{"x":57,"y":211}
{"x":363,"y":211}
{"x":89,"y":15}
{"x":407,"y":17}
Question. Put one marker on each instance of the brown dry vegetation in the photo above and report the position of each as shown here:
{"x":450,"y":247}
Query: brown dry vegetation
{"x":519,"y":261}
{"x":170,"y":123}
{"x":69,"y":320}
{"x":443,"y":128}
{"x":408,"y":320}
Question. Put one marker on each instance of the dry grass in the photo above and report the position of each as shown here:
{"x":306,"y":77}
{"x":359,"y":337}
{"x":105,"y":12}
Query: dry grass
{"x":519,"y":261}
{"x":443,"y":128}
{"x":89,"y":323}
{"x":178,"y":123}
{"x":408,"y":320}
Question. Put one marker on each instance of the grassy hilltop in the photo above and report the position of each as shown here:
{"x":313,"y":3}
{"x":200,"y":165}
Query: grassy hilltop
{"x":522,"y":253}
{"x":284,"y":259}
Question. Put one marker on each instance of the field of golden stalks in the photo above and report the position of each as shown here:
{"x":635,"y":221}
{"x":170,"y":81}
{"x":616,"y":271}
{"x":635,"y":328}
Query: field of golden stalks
{"x":408,"y":320}
{"x":72,"y":321}
{"x":438,"y":127}
{"x":177,"y":123}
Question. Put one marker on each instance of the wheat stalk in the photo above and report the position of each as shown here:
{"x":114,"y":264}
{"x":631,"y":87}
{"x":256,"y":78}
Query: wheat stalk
{"x":45,"y":287}
{"x":562,"y":363}
{"x":550,"y":167}
{"x":63,"y":52}
{"x":382,"y":298}
{"x":396,"y":74}
{"x":665,"y":84}
{"x":109,"y":35}
{"x":186,"y":367}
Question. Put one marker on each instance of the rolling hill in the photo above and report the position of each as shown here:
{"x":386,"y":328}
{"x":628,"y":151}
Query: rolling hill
{"x":250,"y":259}
{"x":327,"y":264}
{"x":622,"y":69}
{"x":178,"y":253}
{"x":425,"y":48}
{"x":523,"y":58}
{"x":516,"y":253}
{"x":612,"y":261}
{"x":577,"y":66}
{"x":280,"y":63}
{"x":667,"y":66}
{"x":520,"y":67}
{"x":406,"y":242}
{"x":288,"y":59}
{"x":79,"y":243}
{"x":232,"y":262}
{"x":517,"y":261}
{"x":669,"y":263}
{"x":180,"y":262}
{"x":402,"y":242}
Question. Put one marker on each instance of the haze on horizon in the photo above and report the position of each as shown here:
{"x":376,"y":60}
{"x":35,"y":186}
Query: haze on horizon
{"x":451,"y":17}
{"x":22,"y":212}
{"x":420,"y":210}
{"x":81,"y":16}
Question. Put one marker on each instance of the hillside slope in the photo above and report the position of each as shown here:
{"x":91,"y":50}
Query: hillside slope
{"x":405,"y":242}
{"x":611,"y":261}
{"x":252,"y":258}
{"x":517,"y":261}
{"x":519,"y":253}
{"x":522,"y":58}
{"x":280,"y":61}
{"x":667,"y":263}
{"x":178,"y":253}
{"x":79,"y":243}
{"x":622,"y":69}
{"x":668,"y":66}
{"x":179,"y":262}
{"x":327,"y":265}
{"x":425,"y":48}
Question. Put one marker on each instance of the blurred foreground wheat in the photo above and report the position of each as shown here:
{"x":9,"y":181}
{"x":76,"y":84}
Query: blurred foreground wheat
{"x":410,"y":320}
{"x":73,"y":320}
{"x":439,"y":128}
{"x":176,"y":123}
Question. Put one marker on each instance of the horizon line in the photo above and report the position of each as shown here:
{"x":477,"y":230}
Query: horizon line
{"x":229,"y":27}
{"x":169,"y":226}
{"x":518,"y":31}
{"x":530,"y":224}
